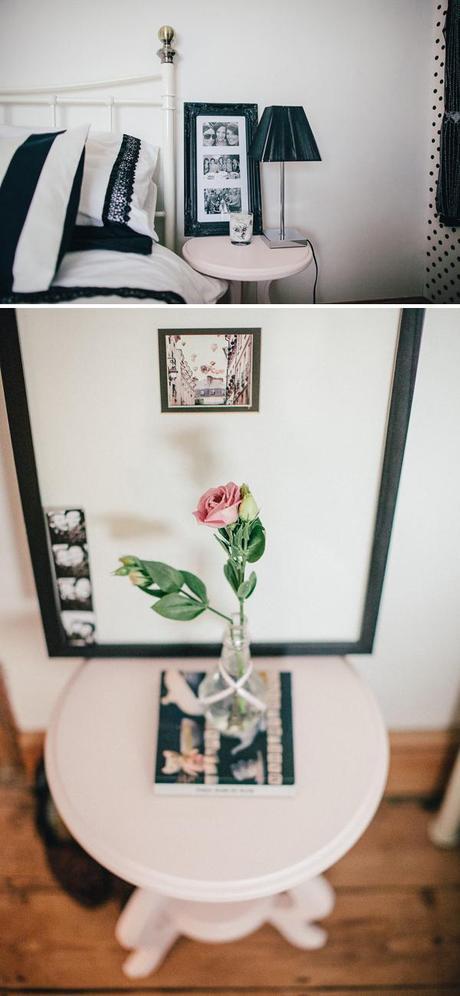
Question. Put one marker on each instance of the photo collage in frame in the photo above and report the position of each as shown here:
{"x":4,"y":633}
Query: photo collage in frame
{"x":71,"y":569}
{"x":222,"y":183}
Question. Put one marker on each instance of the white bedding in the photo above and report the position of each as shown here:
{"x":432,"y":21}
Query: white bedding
{"x":100,"y":276}
{"x":163,"y":270}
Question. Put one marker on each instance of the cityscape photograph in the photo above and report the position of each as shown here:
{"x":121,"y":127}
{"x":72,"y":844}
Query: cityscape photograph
{"x":209,"y":369}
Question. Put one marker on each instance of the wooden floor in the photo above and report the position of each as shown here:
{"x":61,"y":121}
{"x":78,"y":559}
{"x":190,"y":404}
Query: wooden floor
{"x":395,"y":929}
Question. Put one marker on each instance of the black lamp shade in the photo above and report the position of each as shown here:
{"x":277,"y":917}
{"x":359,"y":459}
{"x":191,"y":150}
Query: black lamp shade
{"x":284,"y":136}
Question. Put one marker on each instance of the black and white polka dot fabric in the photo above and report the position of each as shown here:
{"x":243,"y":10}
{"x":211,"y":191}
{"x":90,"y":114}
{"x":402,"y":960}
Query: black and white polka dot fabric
{"x":442,"y":274}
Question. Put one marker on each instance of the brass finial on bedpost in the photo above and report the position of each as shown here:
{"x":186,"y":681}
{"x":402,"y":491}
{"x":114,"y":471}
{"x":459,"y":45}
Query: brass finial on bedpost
{"x":166,"y":35}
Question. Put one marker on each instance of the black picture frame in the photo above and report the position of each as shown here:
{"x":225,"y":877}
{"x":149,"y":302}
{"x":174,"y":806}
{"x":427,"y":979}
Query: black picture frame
{"x":192,"y":226}
{"x":253,"y":406}
{"x":402,"y":390}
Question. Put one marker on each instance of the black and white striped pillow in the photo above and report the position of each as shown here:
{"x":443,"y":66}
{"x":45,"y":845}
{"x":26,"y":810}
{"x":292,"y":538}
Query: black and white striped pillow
{"x":40,"y":182}
{"x":118,"y":189}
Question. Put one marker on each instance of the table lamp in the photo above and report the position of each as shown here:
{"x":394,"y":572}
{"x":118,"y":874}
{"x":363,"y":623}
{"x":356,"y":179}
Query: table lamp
{"x":284,"y":136}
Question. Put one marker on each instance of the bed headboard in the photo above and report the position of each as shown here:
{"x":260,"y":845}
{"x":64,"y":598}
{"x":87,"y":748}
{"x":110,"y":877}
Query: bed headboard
{"x":75,"y":96}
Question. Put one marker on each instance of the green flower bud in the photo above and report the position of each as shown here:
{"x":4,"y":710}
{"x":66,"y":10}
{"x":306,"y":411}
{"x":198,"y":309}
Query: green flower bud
{"x":121,"y":572}
{"x":139,"y":578}
{"x":129,"y":561}
{"x":248,"y":510}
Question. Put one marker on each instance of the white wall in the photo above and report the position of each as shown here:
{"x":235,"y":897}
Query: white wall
{"x":144,"y":469}
{"x":361,"y":68}
{"x":415,"y":666}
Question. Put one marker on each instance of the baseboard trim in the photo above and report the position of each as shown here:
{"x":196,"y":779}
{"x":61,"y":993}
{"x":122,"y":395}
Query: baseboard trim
{"x":421,"y":761}
{"x":419,"y":767}
{"x":10,"y":754}
{"x":31,"y":746}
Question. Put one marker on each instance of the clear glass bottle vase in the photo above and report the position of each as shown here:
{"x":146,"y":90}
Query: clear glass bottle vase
{"x":234,"y":711}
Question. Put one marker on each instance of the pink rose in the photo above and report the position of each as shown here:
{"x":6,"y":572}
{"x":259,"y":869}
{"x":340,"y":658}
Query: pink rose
{"x":218,"y":507}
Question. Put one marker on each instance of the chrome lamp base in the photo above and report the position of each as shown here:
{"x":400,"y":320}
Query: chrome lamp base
{"x":291,"y":238}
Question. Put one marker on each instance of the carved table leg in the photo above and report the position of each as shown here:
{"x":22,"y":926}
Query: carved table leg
{"x":146,"y":926}
{"x":151,"y":923}
{"x":294,"y":911}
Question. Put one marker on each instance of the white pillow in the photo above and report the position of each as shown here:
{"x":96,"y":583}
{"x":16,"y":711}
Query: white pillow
{"x":118,"y":186}
{"x":40,"y":181}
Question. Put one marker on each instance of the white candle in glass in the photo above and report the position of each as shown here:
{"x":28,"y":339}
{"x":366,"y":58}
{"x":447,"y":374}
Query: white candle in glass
{"x":241,"y":228}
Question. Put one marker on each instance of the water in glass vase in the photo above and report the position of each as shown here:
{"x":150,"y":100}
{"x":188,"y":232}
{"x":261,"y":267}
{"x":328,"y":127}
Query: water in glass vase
{"x":234,"y":694}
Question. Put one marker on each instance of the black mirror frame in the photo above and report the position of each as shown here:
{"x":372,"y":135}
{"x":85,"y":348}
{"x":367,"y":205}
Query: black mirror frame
{"x":410,"y":334}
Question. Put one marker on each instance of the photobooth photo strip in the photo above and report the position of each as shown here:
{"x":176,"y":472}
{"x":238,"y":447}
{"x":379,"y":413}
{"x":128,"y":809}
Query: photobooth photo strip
{"x":70,"y":563}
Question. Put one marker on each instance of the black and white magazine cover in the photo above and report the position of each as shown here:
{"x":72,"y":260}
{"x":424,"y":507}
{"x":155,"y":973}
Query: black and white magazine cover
{"x":193,"y":758}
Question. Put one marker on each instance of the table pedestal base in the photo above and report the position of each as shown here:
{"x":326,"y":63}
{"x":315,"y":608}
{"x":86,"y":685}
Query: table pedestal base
{"x":151,"y":923}
{"x":262,"y":291}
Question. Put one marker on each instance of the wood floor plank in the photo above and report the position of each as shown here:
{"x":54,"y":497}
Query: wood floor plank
{"x":395,"y":928}
{"x":396,"y":850}
{"x":264,"y":991}
{"x":376,"y":938}
{"x":22,"y":859}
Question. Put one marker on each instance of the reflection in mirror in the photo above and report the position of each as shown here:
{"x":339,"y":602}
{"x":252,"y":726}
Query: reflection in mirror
{"x":322,"y":452}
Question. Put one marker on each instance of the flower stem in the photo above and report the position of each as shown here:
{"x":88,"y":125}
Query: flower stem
{"x":209,"y":607}
{"x":243,"y":569}
{"x":221,"y":614}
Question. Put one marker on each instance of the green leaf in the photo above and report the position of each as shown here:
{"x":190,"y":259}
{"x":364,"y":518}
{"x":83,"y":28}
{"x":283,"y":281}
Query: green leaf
{"x":175,"y":606}
{"x":167,"y":578}
{"x":196,"y":586}
{"x":156,"y":592}
{"x":256,"y":545}
{"x":247,"y":587}
{"x":232,"y":575}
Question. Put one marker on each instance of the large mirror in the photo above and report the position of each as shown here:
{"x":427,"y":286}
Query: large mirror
{"x":118,"y":469}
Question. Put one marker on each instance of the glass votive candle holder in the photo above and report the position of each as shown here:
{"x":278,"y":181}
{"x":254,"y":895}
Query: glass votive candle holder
{"x":241,"y":228}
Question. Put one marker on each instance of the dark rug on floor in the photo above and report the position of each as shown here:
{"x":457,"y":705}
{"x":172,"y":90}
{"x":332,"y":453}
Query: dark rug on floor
{"x":77,"y":872}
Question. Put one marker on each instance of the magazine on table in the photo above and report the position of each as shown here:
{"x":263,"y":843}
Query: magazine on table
{"x":193,"y":758}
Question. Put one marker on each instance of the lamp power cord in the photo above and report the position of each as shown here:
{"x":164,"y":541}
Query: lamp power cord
{"x":316,"y":269}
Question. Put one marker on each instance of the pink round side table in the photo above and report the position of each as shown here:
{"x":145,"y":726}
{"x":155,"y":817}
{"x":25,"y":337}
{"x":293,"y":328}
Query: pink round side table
{"x":215,"y":868}
{"x":215,"y":256}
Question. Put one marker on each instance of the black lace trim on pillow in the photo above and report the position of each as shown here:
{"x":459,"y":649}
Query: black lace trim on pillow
{"x":56,"y":295}
{"x":119,"y":193}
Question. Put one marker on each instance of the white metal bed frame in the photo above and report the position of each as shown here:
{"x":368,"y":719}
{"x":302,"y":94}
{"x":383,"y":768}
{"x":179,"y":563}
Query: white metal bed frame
{"x":51,"y":96}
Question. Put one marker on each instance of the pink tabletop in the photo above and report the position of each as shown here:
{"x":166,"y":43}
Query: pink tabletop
{"x":215,"y":256}
{"x":100,"y":756}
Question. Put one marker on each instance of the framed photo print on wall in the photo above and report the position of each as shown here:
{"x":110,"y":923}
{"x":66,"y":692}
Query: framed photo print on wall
{"x":219,"y":176}
{"x":209,"y":370}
